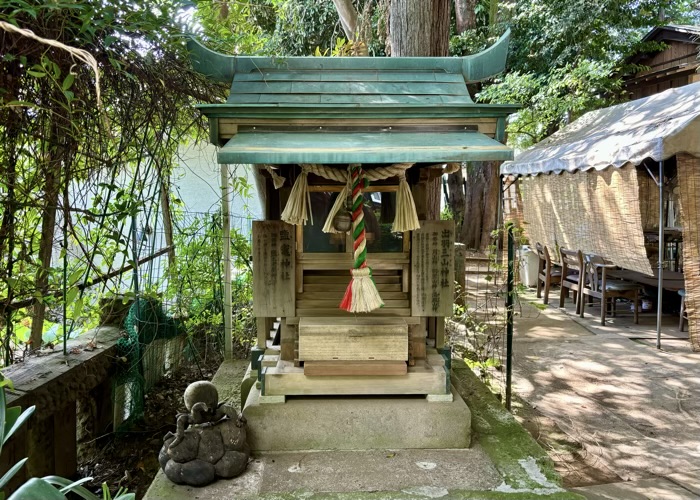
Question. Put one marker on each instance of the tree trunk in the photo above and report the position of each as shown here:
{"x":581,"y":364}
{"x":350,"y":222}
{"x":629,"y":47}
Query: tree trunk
{"x":48,"y":225}
{"x":481,"y":211}
{"x":167,"y":219}
{"x":465,"y":15}
{"x":455,"y":189}
{"x":348,"y":17}
{"x":420,"y":28}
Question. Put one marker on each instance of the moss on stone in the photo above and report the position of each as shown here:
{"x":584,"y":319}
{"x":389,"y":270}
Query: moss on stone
{"x":523,"y":464}
{"x":414,"y":495}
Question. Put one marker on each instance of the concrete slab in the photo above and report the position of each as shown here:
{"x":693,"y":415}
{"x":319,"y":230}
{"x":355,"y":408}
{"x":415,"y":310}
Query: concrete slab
{"x":633,"y":407}
{"x":645,"y":489}
{"x":378,"y":470}
{"x":690,"y":480}
{"x":359,"y":423}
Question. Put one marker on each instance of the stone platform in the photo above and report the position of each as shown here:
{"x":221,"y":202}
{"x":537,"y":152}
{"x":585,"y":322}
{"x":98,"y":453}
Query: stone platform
{"x":356,"y":423}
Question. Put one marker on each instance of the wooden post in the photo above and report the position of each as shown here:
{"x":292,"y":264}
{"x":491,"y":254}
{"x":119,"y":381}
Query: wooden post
{"x":225,"y":210}
{"x":64,"y":439}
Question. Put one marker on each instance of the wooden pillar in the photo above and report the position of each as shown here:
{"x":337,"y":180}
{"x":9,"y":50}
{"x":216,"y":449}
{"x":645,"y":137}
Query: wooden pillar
{"x":689,"y":187}
{"x":288,"y":337}
{"x":263,"y":332}
{"x":64,"y":439}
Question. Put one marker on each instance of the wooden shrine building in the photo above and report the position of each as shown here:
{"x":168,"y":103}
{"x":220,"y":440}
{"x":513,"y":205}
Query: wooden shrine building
{"x":309,"y":125}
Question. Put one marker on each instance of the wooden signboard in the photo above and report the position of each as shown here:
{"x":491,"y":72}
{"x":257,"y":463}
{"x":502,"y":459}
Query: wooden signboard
{"x":273,"y":269}
{"x":432,"y":268}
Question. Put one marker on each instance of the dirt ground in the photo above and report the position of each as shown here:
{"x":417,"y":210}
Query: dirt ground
{"x":130,"y":459}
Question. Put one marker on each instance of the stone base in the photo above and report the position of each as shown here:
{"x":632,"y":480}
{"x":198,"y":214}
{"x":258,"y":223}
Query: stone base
{"x":356,"y":423}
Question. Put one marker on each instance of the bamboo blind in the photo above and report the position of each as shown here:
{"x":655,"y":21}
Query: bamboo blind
{"x":597,"y":212}
{"x":689,"y":187}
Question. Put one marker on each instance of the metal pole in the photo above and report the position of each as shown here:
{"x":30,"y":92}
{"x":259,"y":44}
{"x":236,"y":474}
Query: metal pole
{"x":135,"y":255}
{"x":226,"y":222}
{"x":662,"y":250}
{"x":509,"y":314}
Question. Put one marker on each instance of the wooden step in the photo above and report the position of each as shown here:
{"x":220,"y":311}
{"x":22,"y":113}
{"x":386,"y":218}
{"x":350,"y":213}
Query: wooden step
{"x":341,"y":287}
{"x":339,"y":295}
{"x":383,"y":311}
{"x":346,"y":279}
{"x":354,"y":368}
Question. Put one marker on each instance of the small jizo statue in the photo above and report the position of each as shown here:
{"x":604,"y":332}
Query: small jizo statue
{"x":210,"y":440}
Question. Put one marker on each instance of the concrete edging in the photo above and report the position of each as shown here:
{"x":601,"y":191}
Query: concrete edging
{"x":506,"y":442}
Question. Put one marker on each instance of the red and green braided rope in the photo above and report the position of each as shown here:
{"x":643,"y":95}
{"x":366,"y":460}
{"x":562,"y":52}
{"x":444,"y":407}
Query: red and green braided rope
{"x":358,"y":218}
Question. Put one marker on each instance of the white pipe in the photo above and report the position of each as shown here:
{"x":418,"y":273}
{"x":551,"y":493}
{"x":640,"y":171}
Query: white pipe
{"x":226,"y":222}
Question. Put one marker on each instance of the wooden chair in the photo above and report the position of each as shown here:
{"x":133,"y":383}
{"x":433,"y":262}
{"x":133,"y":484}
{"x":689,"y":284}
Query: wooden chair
{"x":547,"y":272}
{"x":571,"y":276}
{"x":599,"y":286}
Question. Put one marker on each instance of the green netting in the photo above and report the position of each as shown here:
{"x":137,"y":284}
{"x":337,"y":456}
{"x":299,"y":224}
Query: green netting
{"x":145,"y":323}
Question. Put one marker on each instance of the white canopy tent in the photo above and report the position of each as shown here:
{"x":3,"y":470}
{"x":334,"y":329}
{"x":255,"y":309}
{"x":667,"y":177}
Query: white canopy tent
{"x":657,"y":127}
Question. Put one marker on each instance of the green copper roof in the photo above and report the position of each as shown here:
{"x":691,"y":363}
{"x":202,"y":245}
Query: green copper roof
{"x":361,"y":147}
{"x":329,"y":81}
{"x":347,"y":109}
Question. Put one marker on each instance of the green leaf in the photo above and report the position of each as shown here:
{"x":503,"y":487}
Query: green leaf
{"x":74,"y":276}
{"x":78,"y":308}
{"x":71,"y":486}
{"x":37,"y":74}
{"x":11,"y":416}
{"x":11,"y":473}
{"x":20,"y":420}
{"x":37,"y":489}
{"x":68,"y":81}
{"x":71,"y":295}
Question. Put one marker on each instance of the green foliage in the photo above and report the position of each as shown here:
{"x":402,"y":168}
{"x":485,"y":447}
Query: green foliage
{"x":197,"y":284}
{"x":67,"y":154}
{"x":40,"y":488}
{"x":567,"y":58}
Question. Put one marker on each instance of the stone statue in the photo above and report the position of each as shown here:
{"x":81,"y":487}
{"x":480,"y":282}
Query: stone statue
{"x":210,"y":440}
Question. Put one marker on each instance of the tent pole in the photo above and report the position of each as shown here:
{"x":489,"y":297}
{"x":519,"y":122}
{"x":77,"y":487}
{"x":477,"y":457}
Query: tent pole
{"x":662,"y":250}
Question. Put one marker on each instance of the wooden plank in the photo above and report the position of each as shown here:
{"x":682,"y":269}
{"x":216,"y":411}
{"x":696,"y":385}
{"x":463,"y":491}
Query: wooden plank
{"x":287,"y":380}
{"x":408,"y":320}
{"x":432,"y":269}
{"x":228,"y":123}
{"x":339,"y":312}
{"x":352,"y":342}
{"x":334,"y":272}
{"x":273,"y":269}
{"x":354,"y":368}
{"x":332,"y":287}
{"x":335,"y":301}
{"x":339,"y":295}
{"x":345,"y":279}
{"x":343,"y":264}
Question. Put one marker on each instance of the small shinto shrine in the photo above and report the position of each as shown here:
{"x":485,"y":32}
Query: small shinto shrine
{"x":346,"y":153}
